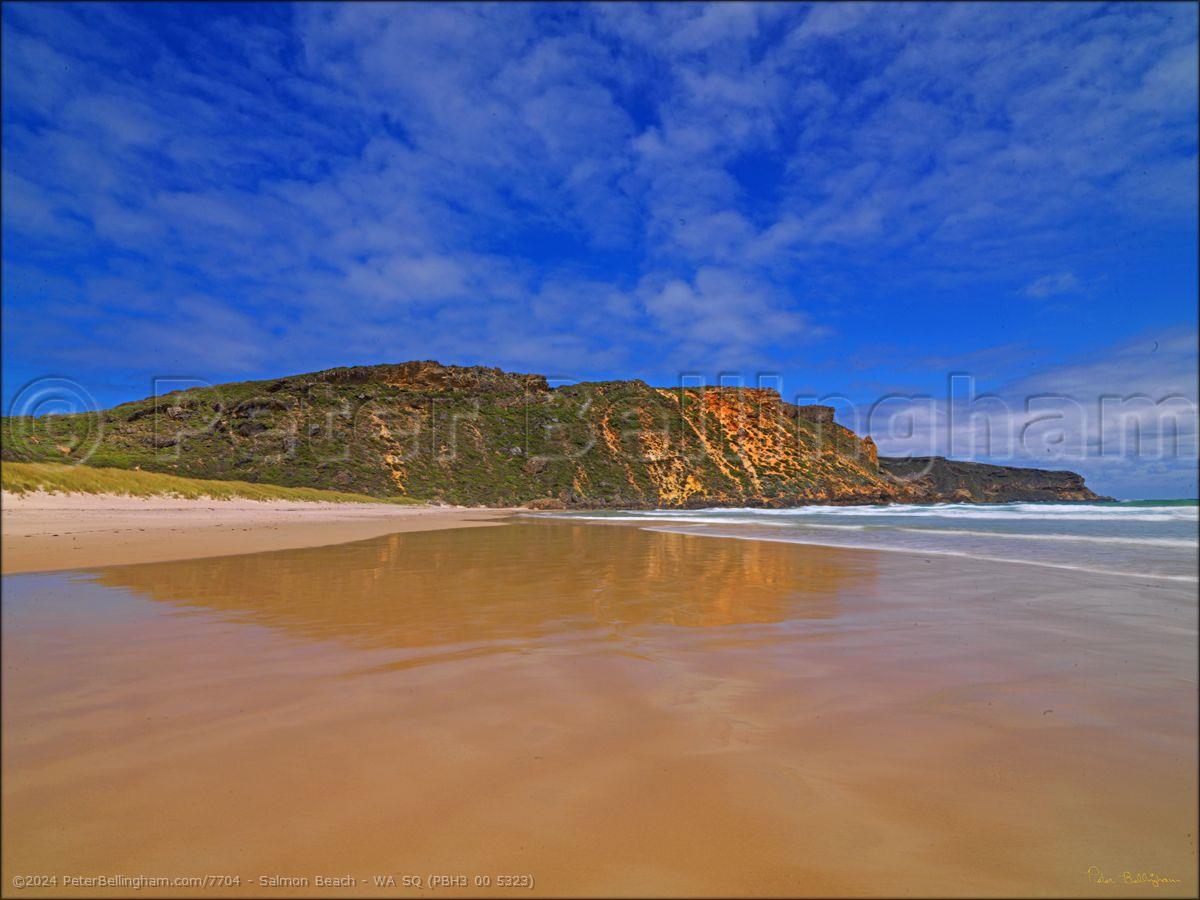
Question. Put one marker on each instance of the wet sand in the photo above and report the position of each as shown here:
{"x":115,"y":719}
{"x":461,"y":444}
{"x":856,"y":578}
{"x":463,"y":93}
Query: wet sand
{"x":47,"y":532}
{"x":610,"y":710}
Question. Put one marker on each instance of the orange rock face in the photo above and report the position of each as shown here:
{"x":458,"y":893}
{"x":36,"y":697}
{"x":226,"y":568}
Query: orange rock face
{"x":478,"y":435}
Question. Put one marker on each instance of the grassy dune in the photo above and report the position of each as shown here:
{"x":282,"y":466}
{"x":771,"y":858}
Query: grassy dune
{"x":21,"y":477}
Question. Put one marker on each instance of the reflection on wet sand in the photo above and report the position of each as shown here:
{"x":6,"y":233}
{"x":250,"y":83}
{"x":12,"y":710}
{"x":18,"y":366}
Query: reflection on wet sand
{"x":433,"y":588}
{"x":613,"y":711}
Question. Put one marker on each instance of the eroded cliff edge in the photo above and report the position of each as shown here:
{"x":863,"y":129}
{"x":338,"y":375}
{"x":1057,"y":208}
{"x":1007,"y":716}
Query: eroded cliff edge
{"x":941,"y":480}
{"x":482,"y":436}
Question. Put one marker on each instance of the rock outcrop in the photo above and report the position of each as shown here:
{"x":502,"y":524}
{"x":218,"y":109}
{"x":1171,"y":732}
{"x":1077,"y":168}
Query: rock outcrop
{"x":935,"y":479}
{"x":478,"y":435}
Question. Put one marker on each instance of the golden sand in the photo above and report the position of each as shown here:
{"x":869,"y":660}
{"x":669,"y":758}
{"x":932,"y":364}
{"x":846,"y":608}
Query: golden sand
{"x":608,"y":710}
{"x":47,"y":532}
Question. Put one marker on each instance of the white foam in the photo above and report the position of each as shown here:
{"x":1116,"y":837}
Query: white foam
{"x":922,"y":552}
{"x":1072,"y":538}
{"x":1028,"y":511}
{"x":1133,"y":541}
{"x":691,"y":519}
{"x":1060,"y":512}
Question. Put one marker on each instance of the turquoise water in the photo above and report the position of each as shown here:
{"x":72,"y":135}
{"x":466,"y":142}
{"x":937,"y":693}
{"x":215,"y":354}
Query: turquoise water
{"x":1137,"y":538}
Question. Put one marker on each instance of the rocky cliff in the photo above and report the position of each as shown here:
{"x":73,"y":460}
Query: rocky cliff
{"x":476,"y":435}
{"x":940,"y":480}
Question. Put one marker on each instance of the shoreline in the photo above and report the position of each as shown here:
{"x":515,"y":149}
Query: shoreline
{"x":44,"y":532}
{"x":615,"y":688}
{"x":1088,"y":538}
{"x":912,"y":551}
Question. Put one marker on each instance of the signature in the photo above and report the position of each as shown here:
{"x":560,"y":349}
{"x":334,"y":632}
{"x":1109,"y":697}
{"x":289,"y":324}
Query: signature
{"x":1096,"y":876}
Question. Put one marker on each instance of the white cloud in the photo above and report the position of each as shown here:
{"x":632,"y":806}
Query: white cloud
{"x":1127,"y":417}
{"x":1053,"y":285}
{"x":723,"y":312}
{"x":588,"y":188}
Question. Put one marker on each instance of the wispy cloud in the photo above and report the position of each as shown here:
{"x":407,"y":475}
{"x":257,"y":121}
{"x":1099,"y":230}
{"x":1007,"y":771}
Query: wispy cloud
{"x":619,"y":189}
{"x":1053,"y":285}
{"x":1127,"y":417}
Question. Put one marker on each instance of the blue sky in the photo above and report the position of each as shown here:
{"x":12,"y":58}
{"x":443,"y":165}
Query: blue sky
{"x":855,"y":200}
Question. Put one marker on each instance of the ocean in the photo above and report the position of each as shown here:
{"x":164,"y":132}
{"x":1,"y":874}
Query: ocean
{"x":1138,"y":538}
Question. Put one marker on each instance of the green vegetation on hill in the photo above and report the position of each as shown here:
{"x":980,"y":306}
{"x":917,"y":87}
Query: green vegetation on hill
{"x":57,"y":478}
{"x":473,"y":436}
{"x":481,"y":436}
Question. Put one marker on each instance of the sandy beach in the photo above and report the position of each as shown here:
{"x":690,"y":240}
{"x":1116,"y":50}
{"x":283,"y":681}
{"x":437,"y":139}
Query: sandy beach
{"x":587,"y":450}
{"x":47,"y":531}
{"x":604,"y":711}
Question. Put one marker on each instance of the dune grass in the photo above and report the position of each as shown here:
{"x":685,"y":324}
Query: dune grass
{"x":20,"y":478}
